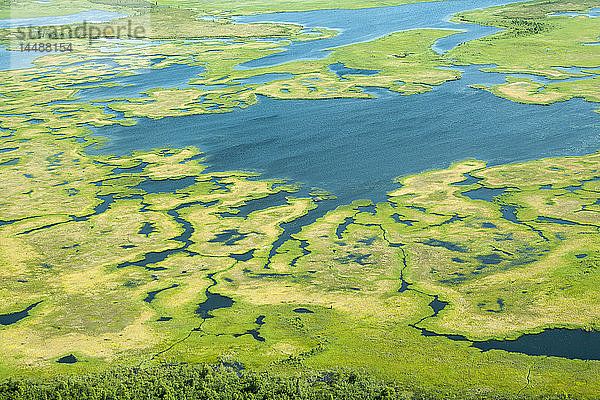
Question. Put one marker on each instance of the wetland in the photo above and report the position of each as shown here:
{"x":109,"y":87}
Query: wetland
{"x":309,"y":192}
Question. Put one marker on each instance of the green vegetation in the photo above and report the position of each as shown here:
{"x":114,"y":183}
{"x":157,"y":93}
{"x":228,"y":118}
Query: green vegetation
{"x":536,"y":42}
{"x":113,"y":271}
{"x":203,"y":382}
{"x":94,"y":296}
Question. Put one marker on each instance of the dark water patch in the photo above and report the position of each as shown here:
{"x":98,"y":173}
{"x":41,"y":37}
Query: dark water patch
{"x":264,"y":78}
{"x":244,"y":256}
{"x":447,"y":245}
{"x":485,"y":193}
{"x":105,"y":202}
{"x":490,"y":259}
{"x":408,"y":222}
{"x":13,"y":161}
{"x":403,"y":283}
{"x":13,"y":318}
{"x":500,"y":303}
{"x":368,"y":241}
{"x":155,"y":268}
{"x":342,"y":227}
{"x":341,"y":70}
{"x":302,"y":310}
{"x":566,"y":343}
{"x":220,"y":185}
{"x":422,"y":209}
{"x":137,"y":169}
{"x":266,"y":275}
{"x":214,"y":301}
{"x":451,"y":220}
{"x":229,"y":237}
{"x":156,"y":60}
{"x":152,"y":295}
{"x":70,"y":359}
{"x":580,"y":256}
{"x":254,"y":332}
{"x":132,"y":86}
{"x":509,"y":213}
{"x":556,"y":221}
{"x":147,"y":229}
{"x":127,"y":246}
{"x":356,"y":258}
{"x":558,"y":342}
{"x":458,"y":260}
{"x":165,"y":185}
{"x":39,"y":228}
{"x":303,"y":246}
{"x":6,"y":150}
{"x":470,"y":180}
{"x":295,"y":226}
{"x":184,"y":238}
{"x":437,"y":305}
{"x":262,"y":203}
{"x":573,"y":188}
{"x":164,"y":319}
{"x":370,"y":208}
{"x":488,"y":225}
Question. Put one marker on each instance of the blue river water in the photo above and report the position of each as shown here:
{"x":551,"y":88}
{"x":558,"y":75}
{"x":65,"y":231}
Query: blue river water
{"x":362,"y":25}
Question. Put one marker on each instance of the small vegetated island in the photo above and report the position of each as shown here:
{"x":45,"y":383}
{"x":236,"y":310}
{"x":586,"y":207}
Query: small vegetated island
{"x":138,"y":261}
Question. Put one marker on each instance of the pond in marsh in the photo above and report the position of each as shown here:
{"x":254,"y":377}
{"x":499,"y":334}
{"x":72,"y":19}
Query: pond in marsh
{"x":559,"y":342}
{"x":13,"y":318}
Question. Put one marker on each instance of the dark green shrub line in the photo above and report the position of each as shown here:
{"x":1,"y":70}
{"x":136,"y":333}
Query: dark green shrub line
{"x":185,"y":382}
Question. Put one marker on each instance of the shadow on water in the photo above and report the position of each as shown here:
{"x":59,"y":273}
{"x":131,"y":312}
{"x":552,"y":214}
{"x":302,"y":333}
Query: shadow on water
{"x":13,"y":318}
